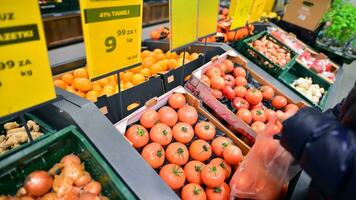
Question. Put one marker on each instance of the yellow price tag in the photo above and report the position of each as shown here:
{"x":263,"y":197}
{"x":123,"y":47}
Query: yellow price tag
{"x":269,"y":6}
{"x":112,"y":34}
{"x":232,"y":8}
{"x":183,"y":17}
{"x":256,"y":10}
{"x":241,"y":13}
{"x":208,"y":11}
{"x":25,"y":73}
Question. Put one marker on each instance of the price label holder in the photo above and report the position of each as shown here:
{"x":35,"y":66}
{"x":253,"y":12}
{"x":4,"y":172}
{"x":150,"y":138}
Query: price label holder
{"x":241,"y":13}
{"x":112,"y":35}
{"x":256,"y":10}
{"x":25,"y":73}
{"x":208,"y":11}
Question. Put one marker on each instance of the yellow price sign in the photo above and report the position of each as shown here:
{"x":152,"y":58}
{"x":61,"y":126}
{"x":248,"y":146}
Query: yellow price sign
{"x":232,"y":8}
{"x":241,"y":13}
{"x":208,"y":11}
{"x":112,"y":34}
{"x":25,"y":73}
{"x":183,"y":17}
{"x":256,"y":10}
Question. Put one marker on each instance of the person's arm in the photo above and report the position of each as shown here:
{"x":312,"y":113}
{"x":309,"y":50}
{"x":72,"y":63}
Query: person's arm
{"x":323,"y":147}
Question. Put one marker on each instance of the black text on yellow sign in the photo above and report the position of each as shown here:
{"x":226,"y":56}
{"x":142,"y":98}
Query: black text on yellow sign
{"x":25,"y":74}
{"x":112,"y":34}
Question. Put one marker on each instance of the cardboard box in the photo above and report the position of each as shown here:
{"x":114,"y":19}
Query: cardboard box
{"x":306,"y":13}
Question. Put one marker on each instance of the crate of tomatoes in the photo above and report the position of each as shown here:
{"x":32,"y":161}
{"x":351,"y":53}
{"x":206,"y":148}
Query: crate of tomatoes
{"x":239,"y":96}
{"x":192,"y":152}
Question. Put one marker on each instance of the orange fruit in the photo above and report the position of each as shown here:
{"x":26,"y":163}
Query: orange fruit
{"x":171,"y":64}
{"x":103,"y":82}
{"x":186,"y":54}
{"x":92,"y":98}
{"x":128,"y":85}
{"x":160,"y":56}
{"x":137,"y":79}
{"x":82,"y":84}
{"x":145,"y":54}
{"x":113,"y":83}
{"x":148,"y":62}
{"x":60,"y":83}
{"x":155,"y":35}
{"x":171,"y":55}
{"x":70,"y":89}
{"x":145,"y":72}
{"x":164,"y":65}
{"x":127,"y":76}
{"x":92,"y":93}
{"x":136,"y":69}
{"x":158,"y":51}
{"x":79,"y":93}
{"x":109,"y":88}
{"x":193,"y":56}
{"x":81,"y":73}
{"x":96,"y":88}
{"x":155,"y":68}
{"x":68,"y":78}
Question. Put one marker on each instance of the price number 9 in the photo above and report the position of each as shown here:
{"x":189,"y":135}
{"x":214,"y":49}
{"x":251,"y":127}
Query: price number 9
{"x":110,"y":43}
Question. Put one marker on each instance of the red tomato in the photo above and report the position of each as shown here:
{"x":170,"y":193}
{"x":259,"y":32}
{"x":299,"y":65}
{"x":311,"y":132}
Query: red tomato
{"x":258,"y":115}
{"x":173,"y":175}
{"x":267,"y":92}
{"x":232,"y":155}
{"x":192,"y":171}
{"x":188,"y":114}
{"x":168,"y":115}
{"x":240,"y":81}
{"x":245,"y":115}
{"x":279,"y":102}
{"x":154,"y":154}
{"x":161,"y":133}
{"x":183,"y":132}
{"x":258,"y":126}
{"x":270,"y":114}
{"x":253,"y":96}
{"x":228,"y":92}
{"x":177,"y":100}
{"x":217,"y":94}
{"x":291,"y":108}
{"x":240,"y":91}
{"x":229,"y":66}
{"x":217,"y":82}
{"x":229,"y":80}
{"x":149,"y":118}
{"x":200,"y":150}
{"x":137,"y":135}
{"x":213,"y":71}
{"x":218,"y":193}
{"x":239,"y":72}
{"x":219,"y":144}
{"x":177,"y":153}
{"x":239,"y":103}
{"x":212,"y":175}
{"x":193,"y":191}
{"x":221,"y":66}
{"x":205,"y":79}
{"x":205,"y":130}
{"x":224,"y":165}
{"x":258,"y":106}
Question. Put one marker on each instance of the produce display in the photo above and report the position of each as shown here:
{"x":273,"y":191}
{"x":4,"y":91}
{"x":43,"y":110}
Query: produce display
{"x":14,"y":135}
{"x":65,"y":180}
{"x":312,"y":91}
{"x":189,"y":153}
{"x":153,"y":62}
{"x":287,"y":39}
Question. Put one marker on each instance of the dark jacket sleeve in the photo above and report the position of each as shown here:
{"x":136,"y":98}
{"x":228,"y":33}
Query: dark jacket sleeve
{"x":324,"y":148}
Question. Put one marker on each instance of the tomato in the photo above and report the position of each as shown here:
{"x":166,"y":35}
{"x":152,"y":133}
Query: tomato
{"x":205,"y":79}
{"x":232,"y":155}
{"x":161,"y":133}
{"x":188,"y":114}
{"x":258,"y":106}
{"x":149,"y":118}
{"x":205,"y":130}
{"x":239,"y":72}
{"x":183,"y":132}
{"x":258,"y":115}
{"x":239,"y":103}
{"x":218,"y":193}
{"x":217,"y":82}
{"x":228,"y":92}
{"x":177,"y":100}
{"x":173,"y":175}
{"x":200,"y":150}
{"x":279,"y":102}
{"x":212,"y":175}
{"x":240,"y":81}
{"x":229,"y":66}
{"x":221,"y":66}
{"x":213,"y":71}
{"x":193,"y":191}
{"x":222,"y":164}
{"x":168,"y":116}
{"x":253,"y":96}
{"x":240,"y":91}
{"x":258,"y":126}
{"x":177,"y":153}
{"x":192,"y":171}
{"x":229,"y":80}
{"x":245,"y":115}
{"x":270,"y":114}
{"x":267,"y":92}
{"x":137,"y":135}
{"x":291,"y":108}
{"x":217,"y":94}
{"x":219,"y":144}
{"x":154,"y":154}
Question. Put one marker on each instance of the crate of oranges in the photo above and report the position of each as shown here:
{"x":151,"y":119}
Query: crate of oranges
{"x":192,"y":152}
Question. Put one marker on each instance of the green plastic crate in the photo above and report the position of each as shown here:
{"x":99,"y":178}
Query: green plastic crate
{"x":297,"y":71}
{"x":261,"y":60}
{"x":45,"y":153}
{"x":44,"y":128}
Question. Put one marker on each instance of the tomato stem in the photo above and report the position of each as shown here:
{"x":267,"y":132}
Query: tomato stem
{"x":218,"y":190}
{"x":207,"y":127}
{"x":140,"y":132}
{"x":180,"y":151}
{"x":159,"y":153}
{"x":165,"y":132}
{"x":197,"y":168}
{"x":206,"y":148}
{"x":184,"y":129}
{"x":196,"y":191}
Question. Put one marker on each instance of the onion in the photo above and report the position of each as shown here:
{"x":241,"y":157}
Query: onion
{"x":50,"y":196}
{"x":27,"y":198}
{"x":83,"y":180}
{"x":38,"y":183}
{"x":21,"y":192}
{"x":62,"y":185}
{"x":93,"y":187}
{"x":73,"y":194}
{"x":88,"y":196}
{"x":70,"y":159}
{"x":73,"y":171}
